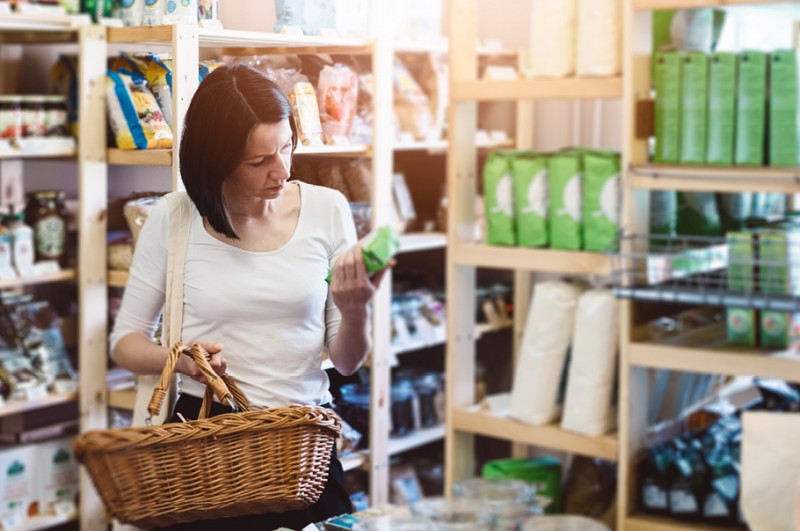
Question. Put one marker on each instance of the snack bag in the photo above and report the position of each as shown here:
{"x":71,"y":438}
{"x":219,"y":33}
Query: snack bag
{"x":411,"y":104}
{"x":378,"y":249}
{"x":64,"y":79}
{"x":306,"y":113}
{"x":134,"y":114}
{"x":337,"y":93}
{"x":158,"y":72}
{"x":206,"y":67}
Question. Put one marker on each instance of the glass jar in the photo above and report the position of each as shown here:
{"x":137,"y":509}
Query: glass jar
{"x":21,"y":243}
{"x":403,"y":409}
{"x":10,"y":117}
{"x":47,"y":215}
{"x":429,"y":387}
{"x":453,"y":514}
{"x":55,"y":116}
{"x":511,"y":500}
{"x":354,"y":408}
{"x":33,"y":116}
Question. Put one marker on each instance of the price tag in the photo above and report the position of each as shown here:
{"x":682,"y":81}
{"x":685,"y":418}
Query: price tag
{"x":210,"y":24}
{"x":65,"y":508}
{"x":292,"y":30}
{"x":38,"y":392}
{"x":65,"y":386}
{"x":46,"y":267}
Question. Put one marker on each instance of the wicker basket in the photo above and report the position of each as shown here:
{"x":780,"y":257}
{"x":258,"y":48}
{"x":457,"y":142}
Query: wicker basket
{"x":252,"y":462}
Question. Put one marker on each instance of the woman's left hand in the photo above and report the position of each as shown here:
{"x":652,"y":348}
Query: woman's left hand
{"x":351,"y":287}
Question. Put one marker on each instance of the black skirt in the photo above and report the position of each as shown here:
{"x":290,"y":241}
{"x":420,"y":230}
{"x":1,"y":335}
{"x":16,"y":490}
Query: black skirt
{"x":332,"y":502}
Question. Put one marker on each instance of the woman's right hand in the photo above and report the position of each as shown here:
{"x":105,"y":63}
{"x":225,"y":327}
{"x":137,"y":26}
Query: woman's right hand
{"x":186,"y":365}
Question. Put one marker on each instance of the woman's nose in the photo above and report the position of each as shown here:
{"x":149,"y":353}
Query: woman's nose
{"x":281,"y":168}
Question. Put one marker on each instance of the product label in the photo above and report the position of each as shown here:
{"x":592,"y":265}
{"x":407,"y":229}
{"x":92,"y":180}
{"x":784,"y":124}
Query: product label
{"x":573,"y":197}
{"x":10,"y":123}
{"x":655,"y":497}
{"x":609,"y":199}
{"x":715,"y":506}
{"x":50,"y":236}
{"x":150,"y":3}
{"x":682,"y":501}
{"x":537,"y":195}
{"x":126,"y":4}
{"x":172,"y":6}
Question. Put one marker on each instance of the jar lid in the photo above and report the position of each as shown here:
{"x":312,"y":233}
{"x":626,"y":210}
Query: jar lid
{"x":54,"y":98}
{"x":32,"y":98}
{"x":47,"y":195}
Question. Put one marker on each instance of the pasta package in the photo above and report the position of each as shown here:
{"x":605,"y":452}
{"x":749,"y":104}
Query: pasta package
{"x":158,"y":73}
{"x":206,"y":67}
{"x":337,"y":94}
{"x":134,"y":115}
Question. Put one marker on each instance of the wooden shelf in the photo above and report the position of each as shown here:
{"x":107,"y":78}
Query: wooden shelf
{"x":544,"y":260}
{"x":122,"y":398}
{"x":714,"y":178}
{"x":140,"y":157}
{"x":539,"y":89}
{"x":67,"y":275}
{"x":642,"y":522}
{"x":785,"y":365}
{"x":422,"y":241}
{"x":38,"y":148}
{"x":653,"y":5}
{"x":549,"y":436}
{"x":40,"y":523}
{"x":480,"y":330}
{"x":353,"y":150}
{"x":353,"y":461}
{"x":398,"y":445}
{"x":15,"y":407}
{"x":117,"y":279}
{"x":40,"y":28}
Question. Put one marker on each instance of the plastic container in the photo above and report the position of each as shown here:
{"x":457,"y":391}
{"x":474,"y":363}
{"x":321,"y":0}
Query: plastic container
{"x":403,"y":408}
{"x":393,"y":523}
{"x":563,"y":523}
{"x":454,"y":514}
{"x":354,"y":408}
{"x":511,"y":500}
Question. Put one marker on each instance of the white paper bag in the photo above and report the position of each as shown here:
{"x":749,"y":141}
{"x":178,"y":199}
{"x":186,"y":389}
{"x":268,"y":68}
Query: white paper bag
{"x":599,"y":37}
{"x":770,"y":469}
{"x":553,"y":28}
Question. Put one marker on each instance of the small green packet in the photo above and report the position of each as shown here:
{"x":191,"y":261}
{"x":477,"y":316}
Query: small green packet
{"x":566,"y":196}
{"x":601,"y":200}
{"x":378,"y":249}
{"x":529,"y":171}
{"x":498,"y":197}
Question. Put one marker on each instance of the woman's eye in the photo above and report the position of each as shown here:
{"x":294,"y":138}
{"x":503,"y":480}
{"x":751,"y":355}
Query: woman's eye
{"x":286,"y":148}
{"x":257,"y":163}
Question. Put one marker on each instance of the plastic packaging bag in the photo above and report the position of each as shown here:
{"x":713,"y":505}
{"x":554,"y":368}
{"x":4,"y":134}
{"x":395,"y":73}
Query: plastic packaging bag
{"x":553,"y":26}
{"x":136,"y":212}
{"x":64,"y":79}
{"x":378,"y":249}
{"x":134,"y":114}
{"x":529,"y":172}
{"x":498,"y":186}
{"x":337,"y":93}
{"x":306,"y":113}
{"x":411,"y":104}
{"x":599,"y":37}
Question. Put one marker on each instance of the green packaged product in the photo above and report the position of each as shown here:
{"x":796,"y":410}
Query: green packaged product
{"x":498,"y":196}
{"x":751,"y":103}
{"x":529,"y":172}
{"x":783,"y":108}
{"x":694,"y":108}
{"x":741,"y":261}
{"x":741,"y":326}
{"x":601,"y":201}
{"x":377,"y":249}
{"x":778,"y":252}
{"x":663,"y":215}
{"x":698,"y":215}
{"x":667,"y":84}
{"x":721,"y":109}
{"x":566,"y":195}
{"x":98,"y":9}
{"x":543,"y":472}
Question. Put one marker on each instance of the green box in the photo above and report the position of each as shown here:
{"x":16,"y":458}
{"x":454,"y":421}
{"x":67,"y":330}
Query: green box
{"x":498,"y":196}
{"x":543,"y":472}
{"x":777,"y":251}
{"x":783,"y":108}
{"x":779,"y":330}
{"x":694,"y":108}
{"x":601,"y":201}
{"x":565,"y":212}
{"x":751,"y":105}
{"x":741,"y":325}
{"x":721,"y":108}
{"x":529,"y":172}
{"x":667,"y":84}
{"x":741,"y":261}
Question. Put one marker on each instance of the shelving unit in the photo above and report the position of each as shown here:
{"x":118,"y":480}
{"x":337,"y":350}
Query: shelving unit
{"x":704,"y":351}
{"x":421,"y":437}
{"x":15,"y":407}
{"x":465,"y":420}
{"x":67,"y":275}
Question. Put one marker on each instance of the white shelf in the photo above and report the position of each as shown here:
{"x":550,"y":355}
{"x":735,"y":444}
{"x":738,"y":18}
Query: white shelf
{"x":440,"y":146}
{"x":421,"y":437}
{"x":140,"y":157}
{"x":539,"y":89}
{"x":15,"y":407}
{"x":548,"y":436}
{"x":67,"y":275}
{"x":40,"y":523}
{"x":545,"y":260}
{"x":40,"y":27}
{"x":30,"y":148}
{"x":422,"y":241}
{"x":353,"y":461}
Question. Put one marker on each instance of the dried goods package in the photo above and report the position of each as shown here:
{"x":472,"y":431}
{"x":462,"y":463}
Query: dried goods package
{"x":529,"y":172}
{"x":599,"y":37}
{"x":667,"y":84}
{"x":601,"y":202}
{"x":566,"y":201}
{"x":536,"y":393}
{"x":694,"y":108}
{"x":783,"y":108}
{"x":306,"y":113}
{"x":721,"y":108}
{"x":590,"y":386}
{"x":134,"y":114}
{"x":751,"y":103}
{"x":553,"y":27}
{"x":498,"y":186}
{"x":337,"y":93}
{"x":411,"y":104}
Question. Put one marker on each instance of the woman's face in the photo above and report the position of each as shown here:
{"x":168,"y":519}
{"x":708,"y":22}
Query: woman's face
{"x":266,"y":164}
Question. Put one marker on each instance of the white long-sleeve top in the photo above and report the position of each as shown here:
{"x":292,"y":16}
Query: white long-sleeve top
{"x":272,"y":311}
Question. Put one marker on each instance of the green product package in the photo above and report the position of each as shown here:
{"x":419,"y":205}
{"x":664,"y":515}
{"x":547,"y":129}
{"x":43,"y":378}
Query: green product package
{"x":741,"y":326}
{"x":601,"y":201}
{"x":734,"y":210}
{"x":543,"y":472}
{"x":698,"y":215}
{"x":694,"y":108}
{"x":778,"y":262}
{"x":566,"y":196}
{"x":751,"y":106}
{"x":529,"y":172}
{"x":98,"y":9}
{"x":377,"y":249}
{"x":783,"y":108}
{"x":498,"y":196}
{"x":721,"y":109}
{"x":663,"y":215}
{"x":667,"y":84}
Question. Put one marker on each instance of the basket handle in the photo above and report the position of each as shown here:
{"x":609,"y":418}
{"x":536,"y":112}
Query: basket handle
{"x":216,"y":384}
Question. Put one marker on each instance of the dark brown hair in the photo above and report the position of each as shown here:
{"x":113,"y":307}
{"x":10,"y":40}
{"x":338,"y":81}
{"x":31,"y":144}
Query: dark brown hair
{"x":228,"y":104}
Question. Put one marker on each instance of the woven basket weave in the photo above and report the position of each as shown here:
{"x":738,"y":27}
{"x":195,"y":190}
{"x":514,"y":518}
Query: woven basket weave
{"x":252,"y":462}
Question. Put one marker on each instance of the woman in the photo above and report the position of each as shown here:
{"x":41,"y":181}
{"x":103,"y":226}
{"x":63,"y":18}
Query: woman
{"x":260,"y":248}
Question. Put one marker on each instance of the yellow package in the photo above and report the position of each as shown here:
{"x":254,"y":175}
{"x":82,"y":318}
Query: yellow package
{"x":158,"y":72}
{"x":306,"y":113}
{"x":64,"y":79}
{"x":206,"y":67}
{"x":134,"y":114}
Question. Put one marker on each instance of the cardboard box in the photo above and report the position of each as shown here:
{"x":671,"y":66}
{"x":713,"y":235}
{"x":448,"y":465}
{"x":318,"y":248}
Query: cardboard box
{"x":57,"y":473}
{"x":721,"y":108}
{"x":667,"y":84}
{"x":783,"y":108}
{"x":18,"y":496}
{"x":694,"y":108}
{"x":751,"y":104}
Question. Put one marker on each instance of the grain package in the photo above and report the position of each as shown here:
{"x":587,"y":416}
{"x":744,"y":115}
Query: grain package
{"x":783,"y":121}
{"x":306,"y":113}
{"x":751,"y":109}
{"x":411,"y":104}
{"x":57,"y":476}
{"x":134,"y":114}
{"x":553,"y":28}
{"x":136,"y":212}
{"x":694,"y":108}
{"x":18,"y":493}
{"x":667,"y":84}
{"x":537,"y":392}
{"x":498,"y":186}
{"x":64,"y":80}
{"x":430,"y":71}
{"x":601,"y":201}
{"x":566,"y":195}
{"x":529,"y":172}
{"x":599,"y":38}
{"x":358,"y":175}
{"x":330,"y":175}
{"x":337,"y":93}
{"x":721,"y":108}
